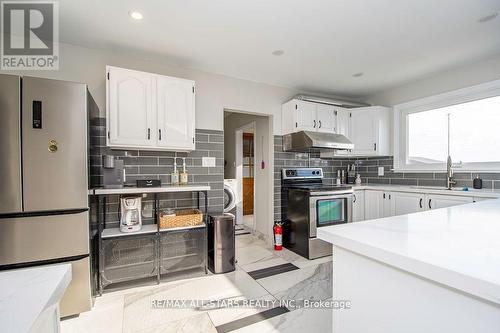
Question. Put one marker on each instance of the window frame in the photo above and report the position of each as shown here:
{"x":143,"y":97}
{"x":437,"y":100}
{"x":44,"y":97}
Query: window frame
{"x":401,"y":111}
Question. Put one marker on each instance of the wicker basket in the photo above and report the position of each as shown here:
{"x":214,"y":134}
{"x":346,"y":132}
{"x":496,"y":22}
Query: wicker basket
{"x":182,"y":218}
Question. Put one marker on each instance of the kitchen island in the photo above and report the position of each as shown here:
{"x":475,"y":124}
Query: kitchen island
{"x":432,"y":271}
{"x":29,"y":298}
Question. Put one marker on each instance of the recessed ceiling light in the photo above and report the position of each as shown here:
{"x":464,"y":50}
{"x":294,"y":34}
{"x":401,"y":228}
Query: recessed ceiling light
{"x":357,"y":74}
{"x":278,"y":53}
{"x":135,"y":15}
{"x":487,"y":18}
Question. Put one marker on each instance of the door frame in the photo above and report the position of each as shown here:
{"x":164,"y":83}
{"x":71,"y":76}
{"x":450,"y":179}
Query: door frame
{"x":239,"y":169}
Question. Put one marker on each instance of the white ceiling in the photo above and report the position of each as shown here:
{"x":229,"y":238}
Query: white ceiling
{"x":325,"y":41}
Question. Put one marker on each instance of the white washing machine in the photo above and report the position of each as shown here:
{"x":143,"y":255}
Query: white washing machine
{"x":231,"y":196}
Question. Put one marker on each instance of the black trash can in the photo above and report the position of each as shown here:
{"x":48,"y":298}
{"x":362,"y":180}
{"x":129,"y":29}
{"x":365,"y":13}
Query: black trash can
{"x":221,"y":247}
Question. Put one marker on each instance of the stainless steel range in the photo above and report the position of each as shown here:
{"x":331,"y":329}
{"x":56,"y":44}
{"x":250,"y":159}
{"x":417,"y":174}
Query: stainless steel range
{"x":309,"y":204}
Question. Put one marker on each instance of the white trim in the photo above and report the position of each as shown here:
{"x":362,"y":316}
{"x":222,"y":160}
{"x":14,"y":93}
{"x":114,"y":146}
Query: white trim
{"x":464,"y":95}
{"x":239,"y":170}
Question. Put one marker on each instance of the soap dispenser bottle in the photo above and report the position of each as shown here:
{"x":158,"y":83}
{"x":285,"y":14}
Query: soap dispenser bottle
{"x":174,"y":176}
{"x":184,"y":174}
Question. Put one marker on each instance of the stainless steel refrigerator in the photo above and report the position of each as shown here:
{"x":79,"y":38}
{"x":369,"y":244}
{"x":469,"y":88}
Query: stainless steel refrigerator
{"x":44,"y":180}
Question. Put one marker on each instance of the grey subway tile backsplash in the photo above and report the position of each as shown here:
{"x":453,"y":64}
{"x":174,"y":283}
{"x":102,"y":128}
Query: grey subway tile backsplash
{"x":145,"y":164}
{"x":368,"y":168}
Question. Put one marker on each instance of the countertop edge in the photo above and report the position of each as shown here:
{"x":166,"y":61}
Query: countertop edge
{"x":23,"y":320}
{"x":451,"y":279}
{"x":139,"y":190}
{"x":485,"y":193}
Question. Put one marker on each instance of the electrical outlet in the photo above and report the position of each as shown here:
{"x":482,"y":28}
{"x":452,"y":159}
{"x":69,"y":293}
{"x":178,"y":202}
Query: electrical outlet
{"x":380,"y":170}
{"x":208,"y":162}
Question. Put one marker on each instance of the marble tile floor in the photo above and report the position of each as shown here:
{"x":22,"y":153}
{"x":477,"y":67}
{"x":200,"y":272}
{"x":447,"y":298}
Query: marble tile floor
{"x":131,"y":310}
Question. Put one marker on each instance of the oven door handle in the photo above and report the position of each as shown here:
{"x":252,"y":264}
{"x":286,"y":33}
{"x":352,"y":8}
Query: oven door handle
{"x":332,"y":195}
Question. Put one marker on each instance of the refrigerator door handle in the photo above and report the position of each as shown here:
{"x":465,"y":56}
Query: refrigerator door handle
{"x":43,"y":213}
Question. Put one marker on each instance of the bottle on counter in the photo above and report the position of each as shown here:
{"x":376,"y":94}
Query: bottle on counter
{"x":184,"y":174}
{"x":358,"y":179}
{"x":342,"y":177}
{"x":477,"y":183}
{"x":351,"y":174}
{"x":174,"y":176}
{"x":337,"y":181}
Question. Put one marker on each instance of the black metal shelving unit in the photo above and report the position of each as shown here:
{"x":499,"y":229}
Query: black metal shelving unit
{"x":150,"y":252}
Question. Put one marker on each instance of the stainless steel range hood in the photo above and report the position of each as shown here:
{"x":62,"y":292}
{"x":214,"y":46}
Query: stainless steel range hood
{"x":305,"y":141}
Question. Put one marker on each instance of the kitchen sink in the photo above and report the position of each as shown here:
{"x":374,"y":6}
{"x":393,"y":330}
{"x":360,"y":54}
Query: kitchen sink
{"x":441,"y":188}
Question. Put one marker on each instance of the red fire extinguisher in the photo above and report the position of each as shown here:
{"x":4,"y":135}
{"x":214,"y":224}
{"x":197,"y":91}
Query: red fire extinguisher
{"x":278,"y":237}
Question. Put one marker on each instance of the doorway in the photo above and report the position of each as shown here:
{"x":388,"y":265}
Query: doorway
{"x":248,"y":163}
{"x":245,"y":174}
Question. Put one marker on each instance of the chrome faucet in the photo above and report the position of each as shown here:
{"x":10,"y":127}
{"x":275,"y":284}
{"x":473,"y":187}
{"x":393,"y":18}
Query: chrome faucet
{"x":450,"y":181}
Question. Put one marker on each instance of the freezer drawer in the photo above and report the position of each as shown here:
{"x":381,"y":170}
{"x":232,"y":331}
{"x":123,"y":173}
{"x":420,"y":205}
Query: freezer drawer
{"x":77,"y":297}
{"x":38,"y":238}
{"x":54,"y":144}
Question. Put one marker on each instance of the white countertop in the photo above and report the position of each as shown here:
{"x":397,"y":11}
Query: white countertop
{"x":457,"y":246}
{"x":138,"y":190}
{"x":25,"y":293}
{"x":482,"y":193}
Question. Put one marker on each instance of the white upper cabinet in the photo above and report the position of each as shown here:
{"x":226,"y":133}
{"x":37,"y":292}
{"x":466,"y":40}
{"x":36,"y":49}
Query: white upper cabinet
{"x":343,"y":121}
{"x":175,"y":105}
{"x":326,"y":118}
{"x":300,"y":115}
{"x":369,"y":129}
{"x":149,"y":111}
{"x":364,"y":130}
{"x":129,"y":116}
{"x":305,"y":116}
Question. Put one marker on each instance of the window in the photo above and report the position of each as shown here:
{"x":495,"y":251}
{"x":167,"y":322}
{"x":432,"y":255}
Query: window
{"x":465,"y":124}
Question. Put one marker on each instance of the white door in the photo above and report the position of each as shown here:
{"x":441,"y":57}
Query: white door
{"x":175,"y":105}
{"x":407,"y":203}
{"x":343,"y":126}
{"x":306,"y":116}
{"x":343,"y":122}
{"x":387,"y":205}
{"x":435,"y":201}
{"x":373,"y":204}
{"x":358,"y":206}
{"x":364,"y":132}
{"x":129,"y":110}
{"x":326,"y":117}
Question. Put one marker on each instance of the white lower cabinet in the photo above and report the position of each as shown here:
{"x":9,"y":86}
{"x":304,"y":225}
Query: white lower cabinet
{"x":373,"y":204}
{"x":379,"y":204}
{"x":358,"y":206}
{"x":436,"y":201}
{"x":407,"y":203}
{"x":387,"y":209}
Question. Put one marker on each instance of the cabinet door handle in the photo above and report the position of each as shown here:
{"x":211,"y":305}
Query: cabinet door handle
{"x":389,"y":197}
{"x":314,"y":122}
{"x":375,"y":147}
{"x":430,"y":200}
{"x":319,"y":123}
{"x":420,"y":203}
{"x":149,"y":133}
{"x":159,"y":134}
{"x":354,"y":198}
{"x":384,"y":196}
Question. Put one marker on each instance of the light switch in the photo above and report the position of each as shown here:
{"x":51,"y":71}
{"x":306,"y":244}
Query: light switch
{"x":380,"y":170}
{"x":208,"y":162}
